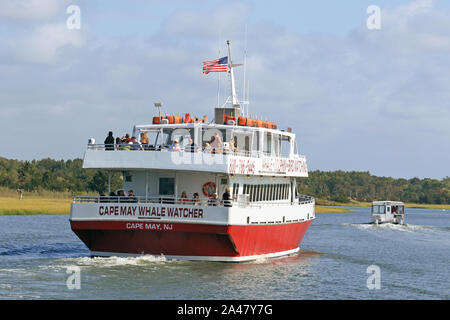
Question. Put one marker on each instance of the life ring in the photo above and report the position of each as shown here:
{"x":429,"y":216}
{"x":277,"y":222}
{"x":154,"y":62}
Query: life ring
{"x":209,"y":188}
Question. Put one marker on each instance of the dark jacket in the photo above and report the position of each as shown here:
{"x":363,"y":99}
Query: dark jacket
{"x":109,"y":142}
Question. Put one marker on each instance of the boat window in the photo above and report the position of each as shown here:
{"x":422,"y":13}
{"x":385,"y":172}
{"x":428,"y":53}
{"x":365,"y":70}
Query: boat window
{"x":267,"y":143}
{"x":285,"y":146}
{"x":166,"y":186}
{"x":235,"y":190}
{"x":247,"y":143}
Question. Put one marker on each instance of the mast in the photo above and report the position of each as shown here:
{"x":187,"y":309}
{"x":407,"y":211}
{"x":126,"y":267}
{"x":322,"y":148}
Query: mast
{"x":235,"y":101}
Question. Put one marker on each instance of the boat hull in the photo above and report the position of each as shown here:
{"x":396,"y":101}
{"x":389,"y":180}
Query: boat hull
{"x":188,"y":241}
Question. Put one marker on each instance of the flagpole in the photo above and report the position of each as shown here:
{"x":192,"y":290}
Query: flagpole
{"x":218,"y":79}
{"x":233,"y":89}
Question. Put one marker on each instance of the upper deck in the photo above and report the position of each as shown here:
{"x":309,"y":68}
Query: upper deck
{"x":203,"y":147}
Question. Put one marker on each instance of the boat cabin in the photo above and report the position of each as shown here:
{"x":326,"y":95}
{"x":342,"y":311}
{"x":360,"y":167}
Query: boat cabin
{"x":388,"y":211}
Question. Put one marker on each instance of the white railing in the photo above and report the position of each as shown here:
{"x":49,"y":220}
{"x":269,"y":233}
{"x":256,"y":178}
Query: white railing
{"x":223,"y":151}
{"x":242,"y":201}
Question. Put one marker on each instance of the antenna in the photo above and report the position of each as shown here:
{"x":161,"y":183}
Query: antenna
{"x":245,"y":69}
{"x":158,"y":105}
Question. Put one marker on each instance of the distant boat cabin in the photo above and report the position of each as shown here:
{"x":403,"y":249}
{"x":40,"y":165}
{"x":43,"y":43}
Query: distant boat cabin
{"x":388,"y":211}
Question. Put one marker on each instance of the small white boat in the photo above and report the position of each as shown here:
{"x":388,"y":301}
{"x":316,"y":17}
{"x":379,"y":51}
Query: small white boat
{"x":388,"y":212}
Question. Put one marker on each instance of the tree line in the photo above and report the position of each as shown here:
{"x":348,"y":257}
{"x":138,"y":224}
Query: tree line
{"x":344,"y":186}
{"x":55,"y":175}
{"x":68,"y":176}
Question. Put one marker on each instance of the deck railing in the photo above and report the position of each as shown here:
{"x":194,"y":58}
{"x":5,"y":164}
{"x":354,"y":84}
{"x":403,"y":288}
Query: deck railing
{"x":166,"y":148}
{"x":242,"y":201}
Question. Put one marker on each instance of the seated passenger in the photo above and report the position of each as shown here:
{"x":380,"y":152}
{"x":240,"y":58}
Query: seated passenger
{"x":103,"y":198}
{"x":232,"y":145}
{"x":184,"y":197}
{"x":196,"y":199}
{"x":136,"y":144}
{"x":131,"y":196}
{"x":112,"y":197}
{"x":145,"y":141}
{"x":191,"y":147}
{"x":207,"y":148}
{"x":121,"y":196}
{"x":118,"y":143}
{"x":213,"y":200}
{"x":175,"y":147}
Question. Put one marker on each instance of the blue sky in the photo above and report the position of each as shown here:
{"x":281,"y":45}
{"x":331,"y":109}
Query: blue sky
{"x":358,"y":99}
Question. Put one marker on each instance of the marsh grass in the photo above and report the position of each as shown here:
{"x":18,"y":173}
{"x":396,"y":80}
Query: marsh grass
{"x":330,"y":209}
{"x":34,"y":205}
{"x":38,"y":202}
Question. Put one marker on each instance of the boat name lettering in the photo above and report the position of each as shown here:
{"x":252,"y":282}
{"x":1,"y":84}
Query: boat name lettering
{"x":283,"y":165}
{"x":196,"y":213}
{"x":149,"y":226}
{"x":242,"y":166}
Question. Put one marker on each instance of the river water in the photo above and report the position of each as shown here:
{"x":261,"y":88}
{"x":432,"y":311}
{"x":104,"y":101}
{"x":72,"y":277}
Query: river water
{"x":342,"y":257}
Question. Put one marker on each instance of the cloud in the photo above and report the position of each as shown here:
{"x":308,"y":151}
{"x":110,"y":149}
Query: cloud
{"x":29,"y":10}
{"x":353,"y":100}
{"x":46,"y":43}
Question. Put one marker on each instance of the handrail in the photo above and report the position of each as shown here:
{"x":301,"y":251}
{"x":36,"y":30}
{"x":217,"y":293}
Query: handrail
{"x":189,"y":149}
{"x":186,"y":201}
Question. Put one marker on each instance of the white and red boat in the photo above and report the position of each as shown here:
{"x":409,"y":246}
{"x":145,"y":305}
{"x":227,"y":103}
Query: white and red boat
{"x":264,"y":216}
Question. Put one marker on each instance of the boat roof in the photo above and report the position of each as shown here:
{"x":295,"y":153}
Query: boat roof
{"x":387,"y":202}
{"x":236,"y":128}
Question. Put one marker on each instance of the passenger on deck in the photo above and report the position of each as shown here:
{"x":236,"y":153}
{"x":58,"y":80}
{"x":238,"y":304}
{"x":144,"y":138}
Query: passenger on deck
{"x":232,"y":144}
{"x":103,"y":198}
{"x":216,"y":144}
{"x":118,"y":143}
{"x":109,"y":141}
{"x":121,"y":195}
{"x":227,"y":198}
{"x":175,"y":147}
{"x":112,"y":197}
{"x":136,"y":144}
{"x":191,"y":147}
{"x":184,"y":197}
{"x":196,"y":199}
{"x":131,"y":196}
{"x":207,"y":148}
{"x":213,"y":200}
{"x":145,"y":141}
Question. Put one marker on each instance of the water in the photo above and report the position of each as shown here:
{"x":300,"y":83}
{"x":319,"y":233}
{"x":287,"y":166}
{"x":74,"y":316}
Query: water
{"x":36,"y":252}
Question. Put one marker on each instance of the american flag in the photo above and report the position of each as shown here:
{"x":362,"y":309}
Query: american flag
{"x":219,"y":65}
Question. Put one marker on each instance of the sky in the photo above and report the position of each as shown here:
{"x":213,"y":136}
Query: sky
{"x":359,"y":99}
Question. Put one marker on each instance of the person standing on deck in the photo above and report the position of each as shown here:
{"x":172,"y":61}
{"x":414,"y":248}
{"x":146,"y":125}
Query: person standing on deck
{"x":109,"y":141}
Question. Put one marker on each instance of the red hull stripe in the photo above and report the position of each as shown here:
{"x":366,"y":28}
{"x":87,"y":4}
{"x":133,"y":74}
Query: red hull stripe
{"x":178,"y":239}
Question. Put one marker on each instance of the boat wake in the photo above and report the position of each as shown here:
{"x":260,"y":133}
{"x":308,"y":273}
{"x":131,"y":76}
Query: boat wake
{"x":116,"y":261}
{"x":390,"y":226}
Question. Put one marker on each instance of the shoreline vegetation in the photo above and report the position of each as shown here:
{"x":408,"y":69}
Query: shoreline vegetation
{"x":35,"y":203}
{"x":334,"y":191}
